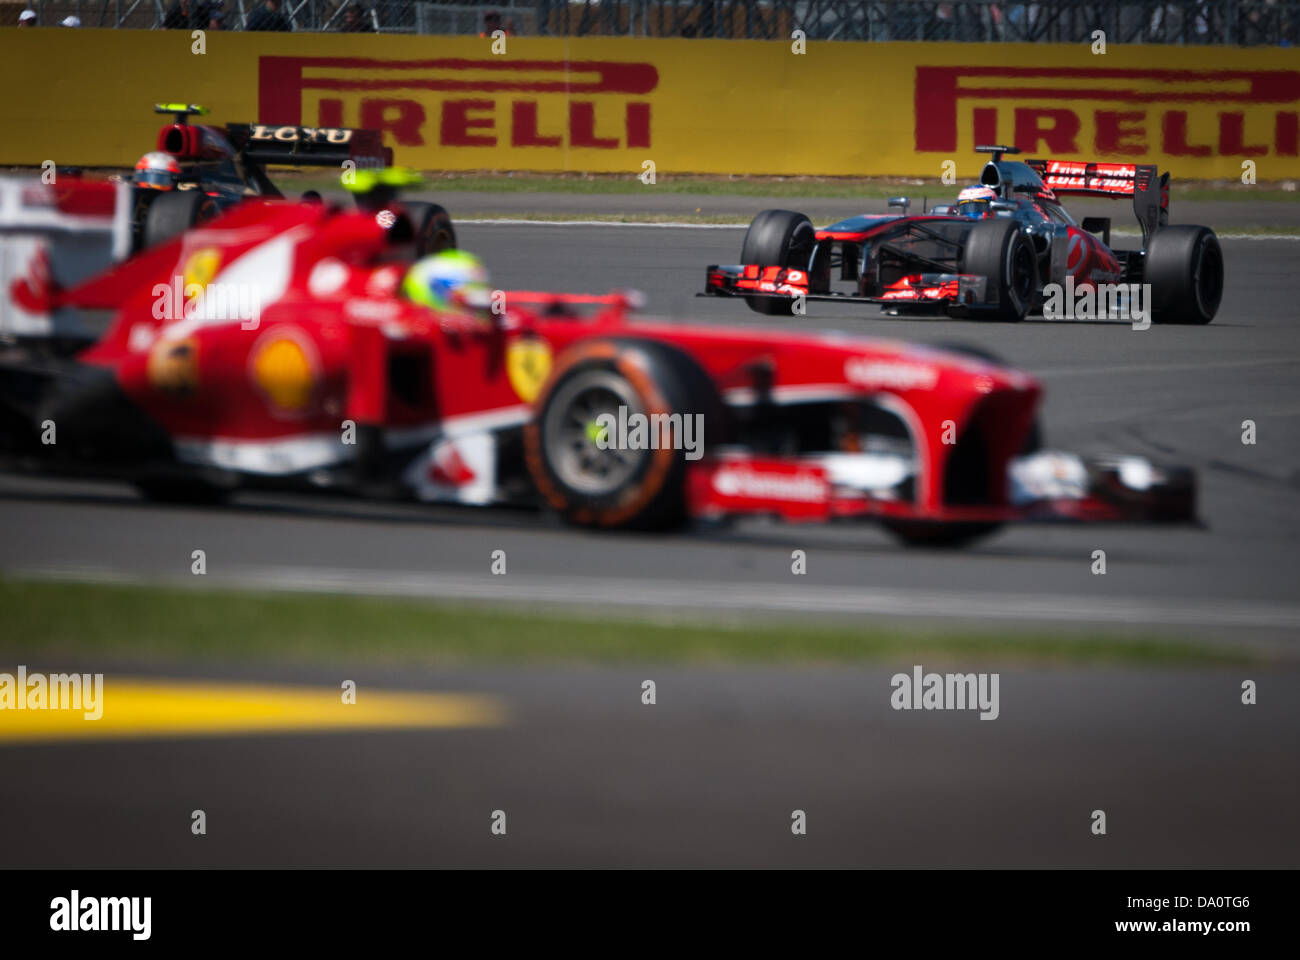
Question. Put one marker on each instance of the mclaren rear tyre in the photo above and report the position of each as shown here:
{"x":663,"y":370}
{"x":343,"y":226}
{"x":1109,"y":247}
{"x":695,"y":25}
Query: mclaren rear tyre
{"x":595,"y":477}
{"x":948,"y":536}
{"x":171,"y":214}
{"x":777,"y":238}
{"x":998,"y":250}
{"x":434,"y":232}
{"x":1184,"y":266}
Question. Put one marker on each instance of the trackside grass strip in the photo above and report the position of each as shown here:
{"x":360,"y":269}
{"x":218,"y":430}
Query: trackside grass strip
{"x":176,"y":624}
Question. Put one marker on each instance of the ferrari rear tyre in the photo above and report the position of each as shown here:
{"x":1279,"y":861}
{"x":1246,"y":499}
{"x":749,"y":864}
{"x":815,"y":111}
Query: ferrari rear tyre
{"x":1184,"y":266}
{"x":777,"y":238}
{"x":998,"y":250}
{"x":604,"y":482}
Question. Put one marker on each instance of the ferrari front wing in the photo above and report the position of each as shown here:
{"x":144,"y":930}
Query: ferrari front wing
{"x":1045,"y":486}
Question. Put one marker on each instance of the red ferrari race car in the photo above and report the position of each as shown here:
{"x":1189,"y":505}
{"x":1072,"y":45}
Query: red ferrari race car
{"x":287,"y":345}
{"x":990,"y":255}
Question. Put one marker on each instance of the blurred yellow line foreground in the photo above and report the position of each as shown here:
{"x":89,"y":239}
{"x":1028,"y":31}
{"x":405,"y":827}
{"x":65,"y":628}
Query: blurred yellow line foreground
{"x":135,"y":707}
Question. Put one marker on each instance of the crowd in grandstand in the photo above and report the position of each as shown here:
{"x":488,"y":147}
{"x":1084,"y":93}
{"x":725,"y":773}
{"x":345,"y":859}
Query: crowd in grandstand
{"x":1135,"y":21}
{"x":268,"y":15}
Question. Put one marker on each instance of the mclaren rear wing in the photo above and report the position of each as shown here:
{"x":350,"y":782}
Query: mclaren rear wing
{"x":1142,"y":181}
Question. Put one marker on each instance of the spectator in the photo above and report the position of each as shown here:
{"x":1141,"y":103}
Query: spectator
{"x":492,"y":23}
{"x":70,"y":22}
{"x":27,"y":18}
{"x":268,"y":17}
{"x":216,"y":18}
{"x":941,"y":23}
{"x":995,"y":21}
{"x":179,"y":16}
{"x":355,"y":20}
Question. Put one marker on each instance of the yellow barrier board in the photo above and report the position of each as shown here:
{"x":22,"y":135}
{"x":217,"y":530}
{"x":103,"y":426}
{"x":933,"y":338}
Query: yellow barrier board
{"x":690,"y":106}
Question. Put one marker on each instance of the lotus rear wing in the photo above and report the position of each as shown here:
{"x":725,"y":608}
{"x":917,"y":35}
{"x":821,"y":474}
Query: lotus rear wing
{"x":295,"y":146}
{"x":1142,"y":181}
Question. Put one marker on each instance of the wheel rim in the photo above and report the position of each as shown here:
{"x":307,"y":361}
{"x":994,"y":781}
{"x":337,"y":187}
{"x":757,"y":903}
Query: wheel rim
{"x":1020,"y":267}
{"x":440,"y":241}
{"x":1207,"y":277}
{"x":801,"y":247}
{"x":571,"y":434}
{"x":437,"y":236}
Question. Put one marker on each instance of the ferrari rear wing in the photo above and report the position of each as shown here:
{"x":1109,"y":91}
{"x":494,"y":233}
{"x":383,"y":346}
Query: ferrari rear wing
{"x":1142,"y":181}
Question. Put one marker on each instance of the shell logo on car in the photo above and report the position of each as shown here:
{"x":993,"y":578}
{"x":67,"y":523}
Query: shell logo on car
{"x":284,"y":370}
{"x":173,"y":366}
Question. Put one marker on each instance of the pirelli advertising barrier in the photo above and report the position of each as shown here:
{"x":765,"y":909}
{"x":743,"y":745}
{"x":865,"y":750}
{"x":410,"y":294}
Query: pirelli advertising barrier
{"x":705,"y":106}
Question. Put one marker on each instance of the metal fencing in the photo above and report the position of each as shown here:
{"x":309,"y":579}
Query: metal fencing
{"x":1241,"y":22}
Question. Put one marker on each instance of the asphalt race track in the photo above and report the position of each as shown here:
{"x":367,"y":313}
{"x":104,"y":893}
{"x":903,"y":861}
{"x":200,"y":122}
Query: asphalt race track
{"x":1174,"y":393}
{"x":709,"y":776}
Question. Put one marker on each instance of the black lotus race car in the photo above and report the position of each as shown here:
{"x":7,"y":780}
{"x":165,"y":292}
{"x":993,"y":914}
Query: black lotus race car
{"x":995,"y":254}
{"x":197,"y":171}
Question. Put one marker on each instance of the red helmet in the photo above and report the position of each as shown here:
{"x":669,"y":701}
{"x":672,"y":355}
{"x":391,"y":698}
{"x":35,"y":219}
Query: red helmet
{"x":157,"y":171}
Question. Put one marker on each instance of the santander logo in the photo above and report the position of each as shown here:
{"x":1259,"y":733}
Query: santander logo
{"x":743,"y":481}
{"x":889,"y":374}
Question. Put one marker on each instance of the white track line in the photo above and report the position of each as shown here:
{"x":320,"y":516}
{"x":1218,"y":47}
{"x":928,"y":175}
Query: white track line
{"x":665,"y":595}
{"x":682,"y":225}
{"x":673,"y":225}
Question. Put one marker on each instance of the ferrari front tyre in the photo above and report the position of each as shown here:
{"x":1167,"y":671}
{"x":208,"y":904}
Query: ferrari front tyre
{"x":187,"y":491}
{"x":1184,"y":266}
{"x":595,"y":477}
{"x":778,"y":238}
{"x":171,"y":214}
{"x":999,"y":251}
{"x":938,"y":536}
{"x":434,"y":232}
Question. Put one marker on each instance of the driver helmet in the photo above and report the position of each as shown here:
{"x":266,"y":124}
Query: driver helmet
{"x":451,"y":281}
{"x":157,"y":171}
{"x":974,"y":201}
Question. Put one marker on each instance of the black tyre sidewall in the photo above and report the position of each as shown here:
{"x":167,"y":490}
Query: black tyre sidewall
{"x":1173,"y":258}
{"x":770,"y":242}
{"x":171,"y":214}
{"x":186,"y":491}
{"x":991,"y":251}
{"x":434,"y":230}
